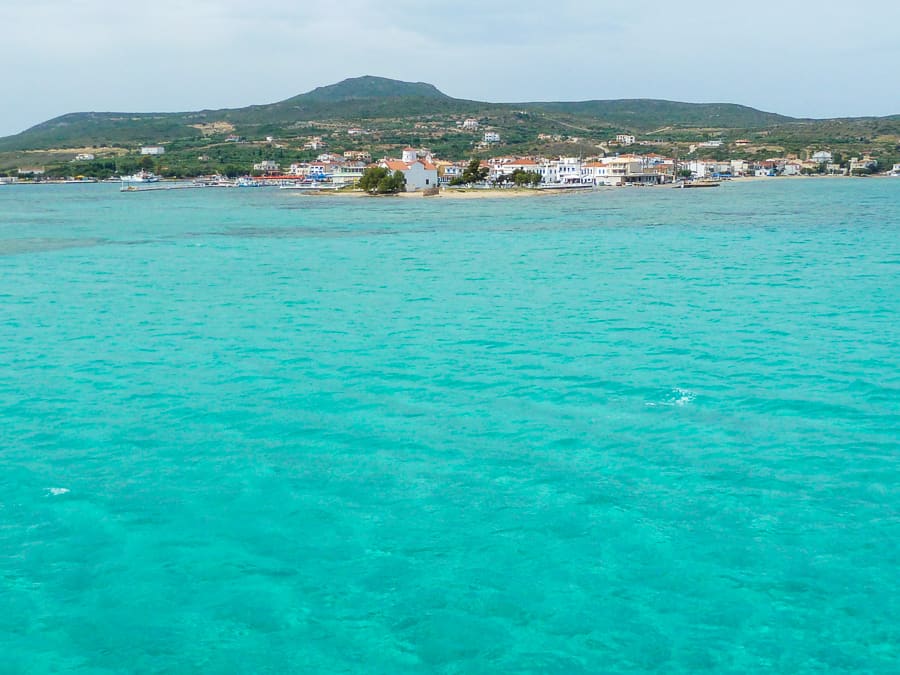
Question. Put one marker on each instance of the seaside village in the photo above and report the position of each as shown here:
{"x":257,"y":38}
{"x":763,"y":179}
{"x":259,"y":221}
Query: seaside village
{"x":424,"y":172}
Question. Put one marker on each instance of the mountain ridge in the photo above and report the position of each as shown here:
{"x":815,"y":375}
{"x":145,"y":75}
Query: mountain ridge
{"x":420,"y":113}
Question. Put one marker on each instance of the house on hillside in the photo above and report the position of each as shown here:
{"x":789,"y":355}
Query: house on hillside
{"x":267,"y":166}
{"x":153,"y":150}
{"x":822,"y":157}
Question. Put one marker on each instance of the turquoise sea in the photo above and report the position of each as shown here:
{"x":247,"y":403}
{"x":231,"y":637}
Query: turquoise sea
{"x":245,"y":431}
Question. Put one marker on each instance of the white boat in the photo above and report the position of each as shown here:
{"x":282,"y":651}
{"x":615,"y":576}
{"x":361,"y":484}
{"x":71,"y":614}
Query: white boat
{"x":141,"y":177}
{"x":213,"y":181}
{"x":569,"y":185}
{"x":310,"y":185}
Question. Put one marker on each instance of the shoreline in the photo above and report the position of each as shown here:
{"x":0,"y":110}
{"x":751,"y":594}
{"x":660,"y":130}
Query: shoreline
{"x":464,"y":194}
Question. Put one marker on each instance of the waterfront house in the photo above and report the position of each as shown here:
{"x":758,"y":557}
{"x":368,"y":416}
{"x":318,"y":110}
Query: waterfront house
{"x":866,"y":163}
{"x":619,"y":171}
{"x":347,"y":173}
{"x":447,"y":171}
{"x":740,"y":167}
{"x":419,"y":174}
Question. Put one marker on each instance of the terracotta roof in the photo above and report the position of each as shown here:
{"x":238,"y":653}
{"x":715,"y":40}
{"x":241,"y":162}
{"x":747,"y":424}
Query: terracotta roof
{"x":396,"y":165}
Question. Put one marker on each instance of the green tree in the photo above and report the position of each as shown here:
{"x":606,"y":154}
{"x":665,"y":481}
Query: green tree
{"x":522,"y":178}
{"x":473,"y":173}
{"x":378,"y":180}
{"x":146,"y":163}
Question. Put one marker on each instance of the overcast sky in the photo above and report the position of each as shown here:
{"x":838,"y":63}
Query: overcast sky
{"x":816,"y":58}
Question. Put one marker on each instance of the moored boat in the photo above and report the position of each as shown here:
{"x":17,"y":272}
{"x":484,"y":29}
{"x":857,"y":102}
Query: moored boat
{"x":699,"y":184}
{"x":141,"y":177}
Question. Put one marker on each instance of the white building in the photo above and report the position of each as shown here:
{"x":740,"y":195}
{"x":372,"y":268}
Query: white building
{"x":357,"y":155}
{"x":315,"y":143}
{"x":896,"y":170}
{"x":792,"y":169}
{"x":704,"y":168}
{"x":153,"y":150}
{"x":309,"y":169}
{"x":348,"y":173}
{"x":864,"y":164}
{"x":266,"y":166}
{"x":450,"y":171}
{"x":419,"y":175}
{"x":710,"y":144}
{"x":567,"y":170}
{"x":84,"y":157}
{"x":822,"y":157}
{"x":625,"y":139}
{"x":740,"y":167}
{"x":617,"y":171}
{"x":470,"y":124}
{"x":491,"y":137}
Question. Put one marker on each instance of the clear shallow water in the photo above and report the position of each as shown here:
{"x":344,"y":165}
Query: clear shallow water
{"x":634,"y":430}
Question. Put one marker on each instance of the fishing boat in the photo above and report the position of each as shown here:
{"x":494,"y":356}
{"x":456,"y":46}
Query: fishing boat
{"x":699,"y":184}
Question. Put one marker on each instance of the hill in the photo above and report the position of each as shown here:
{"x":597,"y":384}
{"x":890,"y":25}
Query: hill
{"x":393,"y":113}
{"x":647,"y":114}
{"x":366,"y":98}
